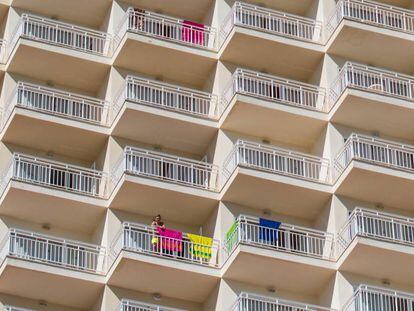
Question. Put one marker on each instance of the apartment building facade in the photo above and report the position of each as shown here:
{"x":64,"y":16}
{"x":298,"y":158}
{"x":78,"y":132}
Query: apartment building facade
{"x":274,"y":137}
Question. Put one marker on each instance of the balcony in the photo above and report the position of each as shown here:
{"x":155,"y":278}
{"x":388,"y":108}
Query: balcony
{"x":82,"y":53}
{"x":375,"y":170}
{"x":146,"y":179}
{"x":269,"y":177}
{"x":182,"y":51}
{"x":92,"y":15}
{"x":386,"y":237}
{"x":281,"y":251}
{"x":370,"y":98}
{"x":368,"y":31}
{"x":32,"y":262}
{"x":144,"y":265}
{"x":131,"y":305}
{"x":262,"y":105}
{"x":247,"y":301}
{"x":368,"y":298}
{"x":166,"y":115}
{"x":250,"y":35}
{"x":34,"y":111}
{"x":41,"y":190}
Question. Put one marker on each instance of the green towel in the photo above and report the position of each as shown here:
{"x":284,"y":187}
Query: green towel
{"x":231,"y":237}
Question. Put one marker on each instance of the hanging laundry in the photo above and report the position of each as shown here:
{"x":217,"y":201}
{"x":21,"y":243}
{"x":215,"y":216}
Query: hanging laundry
{"x":170,"y":240}
{"x":268,"y":230}
{"x":193,"y":32}
{"x":201,"y":246}
{"x":231,"y":237}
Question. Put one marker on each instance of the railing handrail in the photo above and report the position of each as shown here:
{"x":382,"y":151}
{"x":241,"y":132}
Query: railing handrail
{"x":255,"y":221}
{"x":66,"y":242}
{"x":102,"y":106}
{"x":123,"y":27}
{"x":11,"y":308}
{"x":205,"y":97}
{"x":379,"y":142}
{"x":271,"y":13}
{"x":278,"y":301}
{"x":317,"y":99}
{"x":58,"y":164}
{"x":178,"y":159}
{"x":118,"y":244}
{"x":80,"y":29}
{"x":152,"y":230}
{"x":342,"y":81}
{"x":339,"y":14}
{"x":362,"y":288}
{"x":141,"y":305}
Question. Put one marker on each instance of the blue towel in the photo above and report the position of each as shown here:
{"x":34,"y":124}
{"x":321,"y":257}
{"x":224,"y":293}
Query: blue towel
{"x":268,"y":230}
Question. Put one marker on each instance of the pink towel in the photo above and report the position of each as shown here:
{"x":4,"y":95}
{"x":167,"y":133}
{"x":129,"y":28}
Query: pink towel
{"x":193,"y":32}
{"x":170,"y":240}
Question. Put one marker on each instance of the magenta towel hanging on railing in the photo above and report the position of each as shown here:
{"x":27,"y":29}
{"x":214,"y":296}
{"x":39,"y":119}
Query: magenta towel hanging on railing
{"x":170,"y":240}
{"x":193,"y":32}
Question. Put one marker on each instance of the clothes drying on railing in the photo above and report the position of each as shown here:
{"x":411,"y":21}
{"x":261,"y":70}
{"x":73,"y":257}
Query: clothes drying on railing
{"x":170,"y":240}
{"x":201,"y":246}
{"x":268,"y":230}
{"x":231,"y":237}
{"x":193,"y":32}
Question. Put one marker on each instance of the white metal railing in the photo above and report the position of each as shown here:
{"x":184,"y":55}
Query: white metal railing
{"x":376,"y":151}
{"x":370,"y":298}
{"x":371,"y":79}
{"x":167,"y":28}
{"x":55,"y":251}
{"x":145,"y":239}
{"x":63,"y":34}
{"x":273,"y":88}
{"x":162,"y":166}
{"x":131,"y":305}
{"x":277,"y":160}
{"x":254,"y":302}
{"x":371,"y":12}
{"x":44,"y":172}
{"x":56,"y":102}
{"x":10,"y":308}
{"x":280,"y":23}
{"x":376,"y":225}
{"x":166,"y":96}
{"x":288,"y":238}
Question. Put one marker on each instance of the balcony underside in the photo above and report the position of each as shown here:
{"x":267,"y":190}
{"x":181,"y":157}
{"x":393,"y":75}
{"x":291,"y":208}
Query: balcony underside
{"x":377,"y":184}
{"x":52,"y":284}
{"x":47,"y":205}
{"x":165,"y":60}
{"x":164,"y":128}
{"x":358,"y":259}
{"x":375,"y":113}
{"x":280,"y":194}
{"x":42,"y":131}
{"x":173,"y":201}
{"x":168,"y":277}
{"x":273,"y":121}
{"x":192,"y":10}
{"x":92,"y":14}
{"x":373,"y":45}
{"x":257,"y":50}
{"x":267,"y":268}
{"x":82,"y":71}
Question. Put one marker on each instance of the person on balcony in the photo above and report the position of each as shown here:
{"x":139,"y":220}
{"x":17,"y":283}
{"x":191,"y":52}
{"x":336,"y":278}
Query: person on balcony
{"x":157,"y":224}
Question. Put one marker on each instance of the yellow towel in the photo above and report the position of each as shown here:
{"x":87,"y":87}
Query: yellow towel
{"x":202,"y":246}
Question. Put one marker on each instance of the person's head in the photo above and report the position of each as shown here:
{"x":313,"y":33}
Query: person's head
{"x":157,"y":218}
